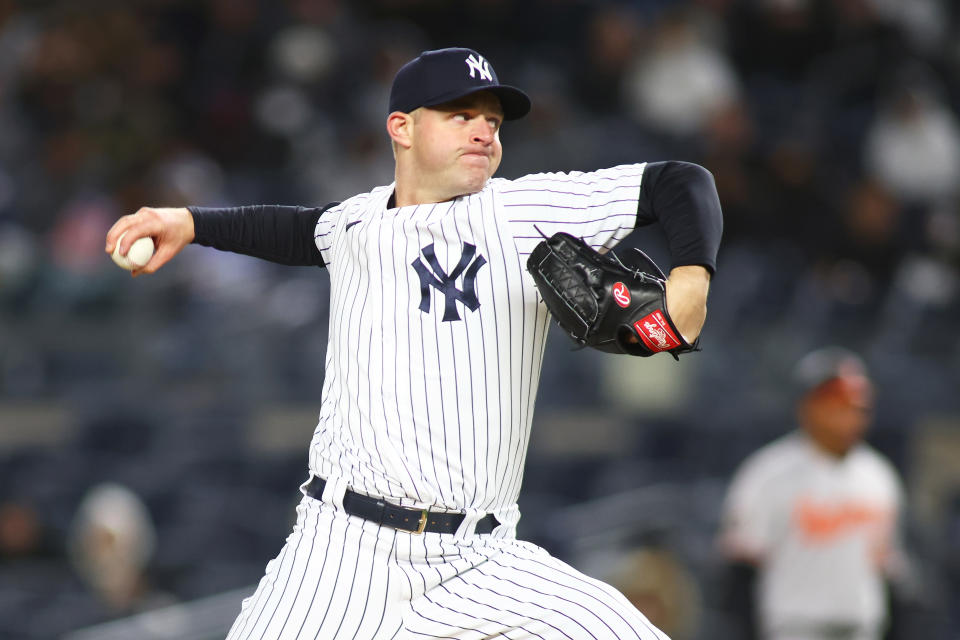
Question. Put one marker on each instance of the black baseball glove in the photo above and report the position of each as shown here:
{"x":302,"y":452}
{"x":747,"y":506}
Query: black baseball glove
{"x":602,"y":303}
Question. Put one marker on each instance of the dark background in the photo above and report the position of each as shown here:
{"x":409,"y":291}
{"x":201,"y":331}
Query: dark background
{"x":831,"y":128}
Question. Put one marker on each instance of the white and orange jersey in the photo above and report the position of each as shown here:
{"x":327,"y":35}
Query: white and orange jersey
{"x":823,"y":531}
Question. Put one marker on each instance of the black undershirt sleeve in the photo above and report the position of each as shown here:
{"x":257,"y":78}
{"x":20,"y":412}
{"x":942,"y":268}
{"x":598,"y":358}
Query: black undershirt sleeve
{"x":682,"y":198}
{"x":272,"y":232}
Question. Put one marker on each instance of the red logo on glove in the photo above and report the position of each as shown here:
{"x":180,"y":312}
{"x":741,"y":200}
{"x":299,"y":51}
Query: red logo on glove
{"x":656,"y":333}
{"x":621,"y":294}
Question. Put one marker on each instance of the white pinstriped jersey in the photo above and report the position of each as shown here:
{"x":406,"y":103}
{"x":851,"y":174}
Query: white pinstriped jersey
{"x":437,"y":334}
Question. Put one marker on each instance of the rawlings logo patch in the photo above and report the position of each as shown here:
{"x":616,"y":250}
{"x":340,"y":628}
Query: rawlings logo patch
{"x":621,"y":294}
{"x":656,"y":333}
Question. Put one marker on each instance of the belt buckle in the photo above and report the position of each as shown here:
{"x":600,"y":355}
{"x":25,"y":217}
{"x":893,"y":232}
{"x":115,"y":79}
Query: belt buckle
{"x":422,"y":523}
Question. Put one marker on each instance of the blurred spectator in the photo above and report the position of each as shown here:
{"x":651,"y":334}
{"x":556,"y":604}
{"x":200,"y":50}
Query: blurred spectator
{"x":111,"y":543}
{"x":913,"y":146}
{"x":34,"y":579}
{"x":811,"y":520}
{"x":776,"y":40}
{"x":612,"y":37}
{"x":862,"y":247}
{"x":654,"y":579}
{"x":22,"y":534}
{"x":797,"y":207}
{"x":75,"y":247}
{"x":19,"y":262}
{"x":924,"y":23}
{"x":682,"y":80}
{"x":76,"y":275}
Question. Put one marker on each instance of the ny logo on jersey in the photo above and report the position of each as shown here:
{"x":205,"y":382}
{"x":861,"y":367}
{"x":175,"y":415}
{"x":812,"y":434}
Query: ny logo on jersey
{"x":435,"y":276}
{"x":480,"y":65}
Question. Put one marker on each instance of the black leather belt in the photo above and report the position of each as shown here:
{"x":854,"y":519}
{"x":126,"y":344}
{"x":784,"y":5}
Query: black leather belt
{"x":412,"y":520}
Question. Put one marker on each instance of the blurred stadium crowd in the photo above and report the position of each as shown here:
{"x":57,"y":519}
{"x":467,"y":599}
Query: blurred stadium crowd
{"x":153,"y":432}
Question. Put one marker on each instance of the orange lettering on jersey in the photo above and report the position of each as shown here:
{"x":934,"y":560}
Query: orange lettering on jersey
{"x":823,"y":522}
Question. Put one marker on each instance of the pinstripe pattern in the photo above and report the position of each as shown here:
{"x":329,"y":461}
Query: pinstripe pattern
{"x":431,"y":413}
{"x":520,"y":591}
{"x":329,"y":581}
{"x":342,"y":577}
{"x":427,"y":402}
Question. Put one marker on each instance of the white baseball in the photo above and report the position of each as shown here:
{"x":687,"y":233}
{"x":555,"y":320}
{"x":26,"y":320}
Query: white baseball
{"x":139,"y":254}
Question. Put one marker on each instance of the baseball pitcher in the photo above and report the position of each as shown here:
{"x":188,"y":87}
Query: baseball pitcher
{"x":438,"y":321}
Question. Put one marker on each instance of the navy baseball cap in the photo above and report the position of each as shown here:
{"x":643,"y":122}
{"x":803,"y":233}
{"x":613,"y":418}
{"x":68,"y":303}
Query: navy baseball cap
{"x":442,"y":75}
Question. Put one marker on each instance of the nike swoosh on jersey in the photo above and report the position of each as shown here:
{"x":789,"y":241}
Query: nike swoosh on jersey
{"x":350,"y":224}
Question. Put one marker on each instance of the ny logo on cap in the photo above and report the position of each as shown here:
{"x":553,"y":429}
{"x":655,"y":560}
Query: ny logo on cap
{"x":480,"y":65}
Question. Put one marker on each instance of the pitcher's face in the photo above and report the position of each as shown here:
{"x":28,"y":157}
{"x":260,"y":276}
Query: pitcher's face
{"x":456,"y":146}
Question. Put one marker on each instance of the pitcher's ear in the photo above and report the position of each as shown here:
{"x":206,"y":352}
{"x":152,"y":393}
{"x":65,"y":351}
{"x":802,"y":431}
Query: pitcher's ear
{"x":399,"y":126}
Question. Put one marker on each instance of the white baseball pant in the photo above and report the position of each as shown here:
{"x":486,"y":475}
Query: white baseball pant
{"x":339,"y":576}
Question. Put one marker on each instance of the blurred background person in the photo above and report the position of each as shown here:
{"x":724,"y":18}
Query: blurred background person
{"x":111,"y":543}
{"x":655,"y":581}
{"x":814,"y":515}
{"x":913,"y":143}
{"x":681,"y":79}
